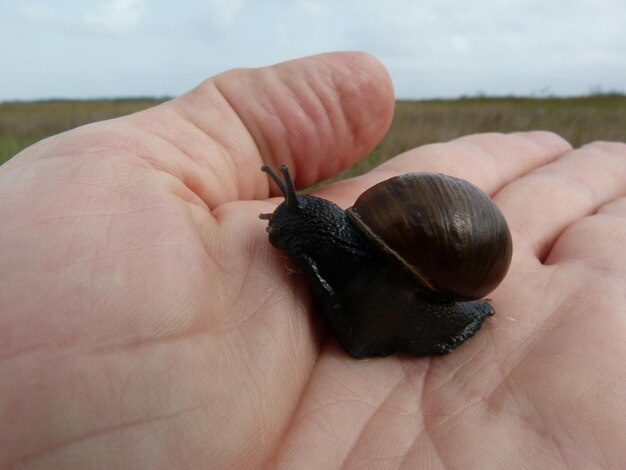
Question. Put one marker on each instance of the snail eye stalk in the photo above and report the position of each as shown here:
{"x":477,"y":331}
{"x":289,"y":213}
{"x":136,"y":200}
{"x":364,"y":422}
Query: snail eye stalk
{"x":276,"y":178}
{"x":286,"y":187}
{"x":290,"y":189}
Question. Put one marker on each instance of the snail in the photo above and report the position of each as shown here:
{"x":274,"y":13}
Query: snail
{"x":405,"y":269}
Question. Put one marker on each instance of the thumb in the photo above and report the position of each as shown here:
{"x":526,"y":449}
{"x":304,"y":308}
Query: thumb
{"x":317,"y":114}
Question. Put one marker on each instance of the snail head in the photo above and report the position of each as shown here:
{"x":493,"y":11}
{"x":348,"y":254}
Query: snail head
{"x":300,"y":220}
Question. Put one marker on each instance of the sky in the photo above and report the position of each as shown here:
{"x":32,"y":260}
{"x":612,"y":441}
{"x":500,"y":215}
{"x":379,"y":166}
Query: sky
{"x":432,"y":48}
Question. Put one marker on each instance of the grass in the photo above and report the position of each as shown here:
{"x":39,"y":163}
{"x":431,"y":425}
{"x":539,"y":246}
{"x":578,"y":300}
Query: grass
{"x":24,"y":123}
{"x":579,"y":120}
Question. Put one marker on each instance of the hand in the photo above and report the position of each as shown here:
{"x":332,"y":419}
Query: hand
{"x":146,"y":322}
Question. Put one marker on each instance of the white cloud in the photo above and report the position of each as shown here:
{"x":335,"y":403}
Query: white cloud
{"x":116,"y":16}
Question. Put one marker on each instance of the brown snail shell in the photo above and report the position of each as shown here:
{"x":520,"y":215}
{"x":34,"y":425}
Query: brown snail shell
{"x":443,"y":229}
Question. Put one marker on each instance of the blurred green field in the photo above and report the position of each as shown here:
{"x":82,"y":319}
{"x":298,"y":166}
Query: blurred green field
{"x":24,"y":123}
{"x":579,"y":120}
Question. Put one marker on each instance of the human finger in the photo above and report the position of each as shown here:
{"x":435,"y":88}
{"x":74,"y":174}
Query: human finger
{"x":317,"y":114}
{"x":542,"y":204}
{"x":488,"y":160}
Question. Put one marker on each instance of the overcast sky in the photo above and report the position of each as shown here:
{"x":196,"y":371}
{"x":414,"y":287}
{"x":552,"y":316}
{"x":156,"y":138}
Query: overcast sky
{"x":433,"y":48}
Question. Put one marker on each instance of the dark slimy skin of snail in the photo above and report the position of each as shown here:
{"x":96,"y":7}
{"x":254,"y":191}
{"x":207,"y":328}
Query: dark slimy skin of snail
{"x":407,"y":296}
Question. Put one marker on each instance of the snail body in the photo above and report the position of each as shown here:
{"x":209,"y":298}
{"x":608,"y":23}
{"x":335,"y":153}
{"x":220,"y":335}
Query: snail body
{"x":405,"y":269}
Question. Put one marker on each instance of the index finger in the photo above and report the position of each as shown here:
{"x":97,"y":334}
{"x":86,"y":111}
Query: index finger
{"x":490,"y":161}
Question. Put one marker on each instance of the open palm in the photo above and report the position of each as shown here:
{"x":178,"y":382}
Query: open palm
{"x":146,"y":321}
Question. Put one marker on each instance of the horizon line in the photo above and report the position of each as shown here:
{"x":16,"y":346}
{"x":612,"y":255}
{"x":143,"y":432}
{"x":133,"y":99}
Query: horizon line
{"x":478,"y":95}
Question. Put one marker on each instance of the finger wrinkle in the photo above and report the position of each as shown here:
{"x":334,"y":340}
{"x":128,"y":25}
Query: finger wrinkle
{"x":524,"y":242}
{"x":541,"y":139}
{"x":311,"y":120}
{"x":199,"y":186}
{"x":548,"y":152}
{"x":615,"y":208}
{"x":267,"y":134}
{"x":238,"y":160}
{"x":607,"y":147}
{"x":225,"y":148}
{"x":604,"y":249}
{"x":334,"y":117}
{"x":561,"y":194}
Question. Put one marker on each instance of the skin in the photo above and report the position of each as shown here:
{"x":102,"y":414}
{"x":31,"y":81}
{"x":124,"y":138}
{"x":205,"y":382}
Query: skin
{"x":146,"y":321}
